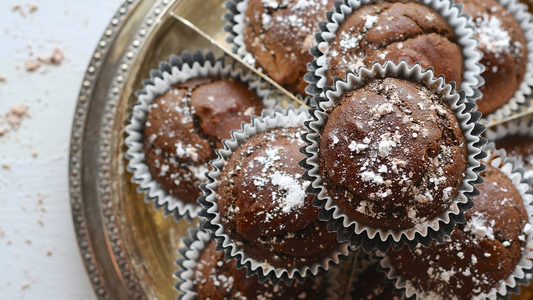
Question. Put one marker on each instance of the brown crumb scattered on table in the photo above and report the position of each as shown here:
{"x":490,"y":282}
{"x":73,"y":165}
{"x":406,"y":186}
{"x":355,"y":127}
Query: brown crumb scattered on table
{"x":18,"y":8}
{"x":6,"y":166}
{"x":28,"y":241}
{"x":31,"y":65}
{"x":33,"y":7}
{"x":15,"y":115}
{"x":49,"y":253}
{"x":34,"y":153}
{"x":2,"y":78}
{"x":55,"y":58}
{"x":25,"y":286}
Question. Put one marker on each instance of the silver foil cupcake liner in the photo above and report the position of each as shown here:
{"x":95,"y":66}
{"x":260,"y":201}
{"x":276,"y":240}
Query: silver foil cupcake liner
{"x":443,"y":224}
{"x":523,"y":271}
{"x":178,"y":69}
{"x":235,"y":19}
{"x":521,"y":98}
{"x":280,"y":118}
{"x":446,"y":8}
{"x":190,"y":253}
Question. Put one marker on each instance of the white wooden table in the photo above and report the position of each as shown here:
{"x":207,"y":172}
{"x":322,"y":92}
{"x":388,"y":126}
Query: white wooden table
{"x":39,"y":257}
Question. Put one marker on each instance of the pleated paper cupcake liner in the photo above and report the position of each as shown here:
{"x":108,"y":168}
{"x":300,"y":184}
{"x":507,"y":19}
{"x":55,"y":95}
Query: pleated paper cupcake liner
{"x":522,"y":273}
{"x":446,"y":8}
{"x":178,"y":69}
{"x":442,"y":225}
{"x":280,"y":118}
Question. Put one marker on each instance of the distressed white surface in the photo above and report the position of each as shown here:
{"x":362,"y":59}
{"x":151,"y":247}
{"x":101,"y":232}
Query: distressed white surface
{"x":39,"y":257}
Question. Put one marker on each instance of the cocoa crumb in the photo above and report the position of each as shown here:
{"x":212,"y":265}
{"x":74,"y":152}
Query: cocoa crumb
{"x":18,"y":8}
{"x":6,"y":166}
{"x":2,"y":78}
{"x":49,"y":253}
{"x":35,"y":153}
{"x":31,"y":65}
{"x":15,"y":115}
{"x":55,"y":58}
{"x":25,"y":286}
{"x":33,"y":7}
{"x":3,"y":131}
{"x":28,"y":241}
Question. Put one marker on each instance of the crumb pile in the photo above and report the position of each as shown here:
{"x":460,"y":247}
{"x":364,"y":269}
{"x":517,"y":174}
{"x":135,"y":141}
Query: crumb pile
{"x":392,"y":154}
{"x":395,"y":30}
{"x":504,"y":48}
{"x":480,"y":254}
{"x":279,"y":34}
{"x":217,"y":279}
{"x":263,"y":204}
{"x":185,"y":125}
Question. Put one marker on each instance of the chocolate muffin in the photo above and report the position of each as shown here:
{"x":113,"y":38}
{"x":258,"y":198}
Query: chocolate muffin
{"x":216,"y":279}
{"x":263,"y":204}
{"x":521,"y":148}
{"x":504,"y":48}
{"x":396,"y":30}
{"x":279,"y":34}
{"x":186,"y":124}
{"x":392,"y":154}
{"x":371,"y":285}
{"x":480,"y":254}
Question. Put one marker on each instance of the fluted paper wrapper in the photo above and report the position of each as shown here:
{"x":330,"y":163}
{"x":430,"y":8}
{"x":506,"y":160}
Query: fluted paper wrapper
{"x":521,"y":98}
{"x":280,"y":118}
{"x":370,"y":238}
{"x":446,"y":8}
{"x":178,"y":69}
{"x":522,"y":273}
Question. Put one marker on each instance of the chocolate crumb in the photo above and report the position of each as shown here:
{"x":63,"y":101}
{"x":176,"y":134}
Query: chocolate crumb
{"x":6,"y":166}
{"x":31,"y":65}
{"x":18,"y":8}
{"x":2,"y":78}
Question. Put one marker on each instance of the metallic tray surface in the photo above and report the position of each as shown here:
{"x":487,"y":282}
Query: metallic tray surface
{"x":127,"y":246}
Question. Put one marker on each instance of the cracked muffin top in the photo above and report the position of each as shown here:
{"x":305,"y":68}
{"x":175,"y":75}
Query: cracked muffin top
{"x":186,"y":124}
{"x":392,"y":154}
{"x":279,"y":34}
{"x":480,"y":253}
{"x":402,"y":30}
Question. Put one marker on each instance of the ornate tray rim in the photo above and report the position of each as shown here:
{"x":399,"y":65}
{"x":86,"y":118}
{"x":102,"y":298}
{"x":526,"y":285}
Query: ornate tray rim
{"x":144,"y":18}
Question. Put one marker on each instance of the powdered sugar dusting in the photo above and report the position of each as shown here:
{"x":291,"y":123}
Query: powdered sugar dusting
{"x":492,"y":35}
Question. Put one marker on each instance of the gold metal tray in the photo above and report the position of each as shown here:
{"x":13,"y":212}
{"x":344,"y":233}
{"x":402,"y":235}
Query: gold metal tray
{"x":129,"y":248}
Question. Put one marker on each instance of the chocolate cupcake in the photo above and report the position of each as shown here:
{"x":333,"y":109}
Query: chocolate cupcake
{"x":391,"y":157}
{"x":410,"y":31}
{"x":482,"y":256}
{"x":263,"y":204}
{"x":187,"y":123}
{"x":359,"y":33}
{"x":276,"y":36}
{"x":392,"y":154}
{"x":257,"y":207}
{"x":205,"y":274}
{"x":180,"y":118}
{"x":504,"y":49}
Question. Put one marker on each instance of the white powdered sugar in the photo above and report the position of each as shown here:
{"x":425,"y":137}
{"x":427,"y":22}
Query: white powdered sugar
{"x":355,"y":146}
{"x":268,"y":161}
{"x":492,"y":35}
{"x":186,"y":151}
{"x":199,"y":171}
{"x":369,"y":22}
{"x":294,"y":191}
{"x":385,"y":148}
{"x":369,"y":176}
{"x":480,"y":227}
